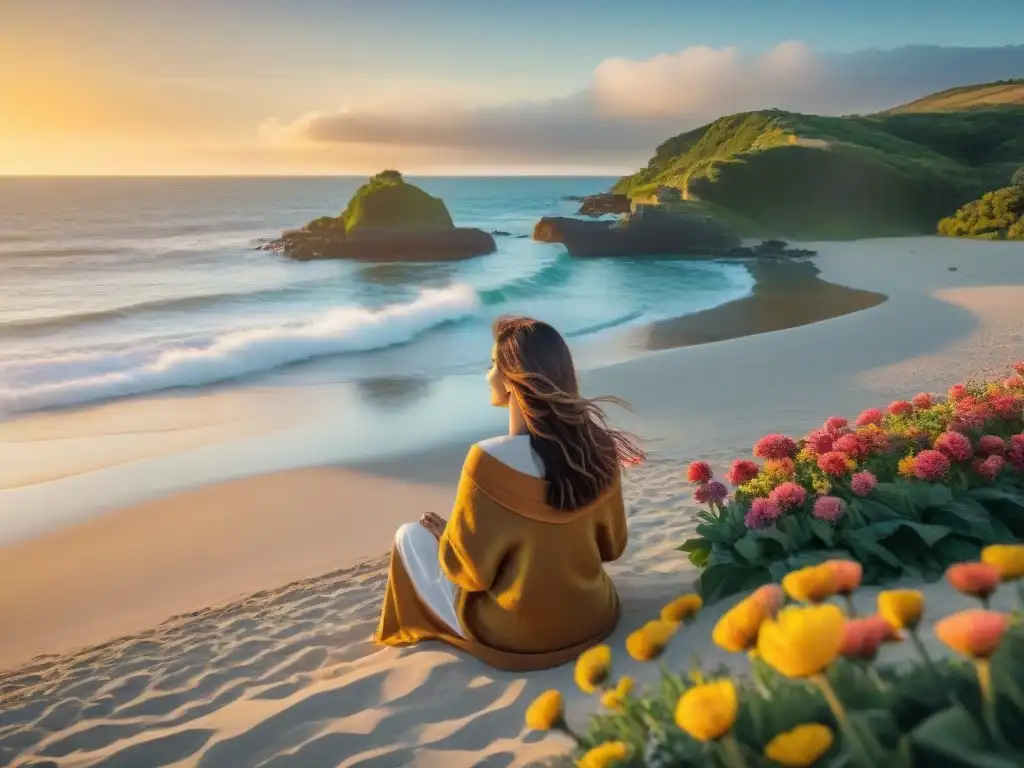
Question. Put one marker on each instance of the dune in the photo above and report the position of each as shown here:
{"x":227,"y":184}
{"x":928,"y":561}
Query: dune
{"x":251,"y":673}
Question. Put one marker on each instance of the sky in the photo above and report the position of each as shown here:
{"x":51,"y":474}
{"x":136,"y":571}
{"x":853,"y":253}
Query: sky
{"x":225,"y":87}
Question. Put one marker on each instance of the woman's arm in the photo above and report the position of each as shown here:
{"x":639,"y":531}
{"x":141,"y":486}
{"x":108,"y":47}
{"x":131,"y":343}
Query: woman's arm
{"x":612,"y":532}
{"x":473,"y":546}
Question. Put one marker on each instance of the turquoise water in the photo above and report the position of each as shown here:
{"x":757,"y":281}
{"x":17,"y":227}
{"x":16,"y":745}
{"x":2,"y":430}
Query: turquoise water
{"x":118,"y":287}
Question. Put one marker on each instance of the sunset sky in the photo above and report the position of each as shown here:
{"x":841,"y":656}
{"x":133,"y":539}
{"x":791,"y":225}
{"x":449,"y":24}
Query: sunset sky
{"x":451,"y":86}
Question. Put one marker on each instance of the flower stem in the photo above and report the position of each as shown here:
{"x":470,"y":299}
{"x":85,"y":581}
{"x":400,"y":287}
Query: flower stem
{"x":932,"y":669}
{"x":988,"y":702}
{"x":850,"y":610}
{"x":732,"y":751}
{"x":564,"y":728}
{"x":843,"y":719}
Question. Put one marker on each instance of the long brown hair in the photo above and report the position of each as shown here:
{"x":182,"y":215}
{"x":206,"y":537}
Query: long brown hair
{"x":570,"y":433}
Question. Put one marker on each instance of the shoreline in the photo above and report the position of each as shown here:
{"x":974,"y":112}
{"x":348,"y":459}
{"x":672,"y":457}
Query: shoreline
{"x":786,"y":294}
{"x":287,"y":672}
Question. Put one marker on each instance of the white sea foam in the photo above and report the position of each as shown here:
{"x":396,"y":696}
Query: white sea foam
{"x":232,"y":355}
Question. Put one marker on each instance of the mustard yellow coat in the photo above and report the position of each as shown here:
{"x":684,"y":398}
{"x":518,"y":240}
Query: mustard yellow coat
{"x":532,"y":591}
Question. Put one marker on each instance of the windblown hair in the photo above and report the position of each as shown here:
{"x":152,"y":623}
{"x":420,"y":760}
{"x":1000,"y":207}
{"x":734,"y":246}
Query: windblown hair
{"x":570,"y":433}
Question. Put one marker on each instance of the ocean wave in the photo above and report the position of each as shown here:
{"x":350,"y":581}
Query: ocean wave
{"x":553,"y":274}
{"x":236,"y":354}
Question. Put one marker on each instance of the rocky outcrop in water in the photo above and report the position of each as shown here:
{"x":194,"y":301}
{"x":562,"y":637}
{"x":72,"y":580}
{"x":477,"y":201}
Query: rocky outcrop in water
{"x":387,"y":219}
{"x":656,"y":233}
{"x":604,"y":203}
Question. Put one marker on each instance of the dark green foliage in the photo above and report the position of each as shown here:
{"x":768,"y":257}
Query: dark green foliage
{"x":924,"y":717}
{"x":387,"y":203}
{"x":997,"y":215}
{"x":812,"y":176}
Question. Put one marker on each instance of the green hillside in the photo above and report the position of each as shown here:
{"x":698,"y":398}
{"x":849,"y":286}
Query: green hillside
{"x":897,"y":172}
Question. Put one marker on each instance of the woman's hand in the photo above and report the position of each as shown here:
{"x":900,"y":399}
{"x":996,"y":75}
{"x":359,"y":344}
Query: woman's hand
{"x":434,"y":523}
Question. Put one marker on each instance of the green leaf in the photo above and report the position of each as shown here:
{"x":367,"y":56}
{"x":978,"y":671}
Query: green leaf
{"x":823,"y":531}
{"x":939,"y":495}
{"x":694,"y":544}
{"x":954,"y":734}
{"x":723,"y":579}
{"x":865,"y":546}
{"x":876,"y":511}
{"x":750,"y":549}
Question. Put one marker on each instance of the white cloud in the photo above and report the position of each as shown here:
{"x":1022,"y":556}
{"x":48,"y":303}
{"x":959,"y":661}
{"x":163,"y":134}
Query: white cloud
{"x":629,"y":106}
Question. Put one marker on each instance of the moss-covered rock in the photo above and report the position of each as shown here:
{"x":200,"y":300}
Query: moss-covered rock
{"x":387,"y":203}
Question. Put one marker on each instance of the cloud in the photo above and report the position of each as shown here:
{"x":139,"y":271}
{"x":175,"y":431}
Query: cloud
{"x":629,"y":106}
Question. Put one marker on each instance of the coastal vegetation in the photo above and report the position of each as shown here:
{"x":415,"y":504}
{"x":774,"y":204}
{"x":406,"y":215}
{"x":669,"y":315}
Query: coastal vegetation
{"x":996,"y":215}
{"x":906,"y":491}
{"x":814,"y":692}
{"x":896,"y":172}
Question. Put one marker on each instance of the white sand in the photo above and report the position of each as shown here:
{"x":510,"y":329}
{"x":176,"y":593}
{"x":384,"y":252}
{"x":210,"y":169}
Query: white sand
{"x":287,"y":678}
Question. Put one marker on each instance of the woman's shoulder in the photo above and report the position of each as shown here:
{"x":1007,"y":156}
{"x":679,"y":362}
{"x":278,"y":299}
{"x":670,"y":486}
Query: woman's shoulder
{"x":515,"y":452}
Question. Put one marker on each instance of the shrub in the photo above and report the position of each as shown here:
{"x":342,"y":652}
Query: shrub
{"x":906,"y":491}
{"x":814,"y":694}
{"x":995,"y":215}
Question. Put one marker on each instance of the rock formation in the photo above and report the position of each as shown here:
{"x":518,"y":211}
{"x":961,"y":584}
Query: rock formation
{"x":604,"y":203}
{"x":387,"y":219}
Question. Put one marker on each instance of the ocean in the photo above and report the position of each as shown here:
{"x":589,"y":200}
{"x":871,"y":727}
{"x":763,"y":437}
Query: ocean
{"x":119,"y":287}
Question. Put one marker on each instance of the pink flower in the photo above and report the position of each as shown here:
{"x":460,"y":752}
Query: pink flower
{"x":1019,"y":367}
{"x":901,"y":407}
{"x":829,"y":508}
{"x":854,"y":446}
{"x":718,"y":491}
{"x":1018,"y":441}
{"x":833,"y":463}
{"x":957,"y":391}
{"x":820,"y":440}
{"x":1014,"y":382}
{"x":954,"y":445}
{"x":836,"y":423}
{"x":762,"y":513}
{"x":1006,"y":406}
{"x":789,"y":495}
{"x":703,"y":493}
{"x":930,"y":465}
{"x":922,"y":401}
{"x":876,"y":439}
{"x":1016,"y":457}
{"x":742,"y":471}
{"x":699,"y":472}
{"x":863,"y":483}
{"x":990,"y":467}
{"x":989,"y":445}
{"x":870,"y":416}
{"x":775,"y":446}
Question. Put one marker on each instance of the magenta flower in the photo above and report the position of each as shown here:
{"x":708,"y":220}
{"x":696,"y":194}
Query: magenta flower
{"x":775,"y":446}
{"x":931,"y":465}
{"x":762,"y":514}
{"x":1016,"y":457}
{"x":863,"y":483}
{"x":954,"y":445}
{"x":990,"y":467}
{"x":836,"y":423}
{"x":989,"y":445}
{"x":717,"y":491}
{"x":789,"y":495}
{"x":742,"y":471}
{"x":829,"y":508}
{"x":870,"y":416}
{"x":852,"y":445}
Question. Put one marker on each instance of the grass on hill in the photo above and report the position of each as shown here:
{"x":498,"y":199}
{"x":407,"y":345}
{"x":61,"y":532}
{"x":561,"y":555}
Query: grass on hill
{"x":891,"y":173}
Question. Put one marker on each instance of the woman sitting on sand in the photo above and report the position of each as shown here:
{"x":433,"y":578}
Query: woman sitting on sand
{"x":515,"y":577}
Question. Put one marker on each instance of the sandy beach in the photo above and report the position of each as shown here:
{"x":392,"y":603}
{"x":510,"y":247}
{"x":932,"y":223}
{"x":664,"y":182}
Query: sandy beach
{"x":159,"y":634}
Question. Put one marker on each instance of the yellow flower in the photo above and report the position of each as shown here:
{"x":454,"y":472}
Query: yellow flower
{"x":1008,"y":558}
{"x":604,"y":755}
{"x":545,"y":712}
{"x":906,"y":467}
{"x":901,"y":607}
{"x":821,"y":485}
{"x":649,"y":641}
{"x":801,"y":642}
{"x":614,"y":699}
{"x":801,"y":746}
{"x":811,"y":584}
{"x":708,"y":711}
{"x":593,"y":667}
{"x":681,"y":608}
{"x":737,"y":630}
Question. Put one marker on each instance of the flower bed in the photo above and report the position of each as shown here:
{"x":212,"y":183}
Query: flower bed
{"x":813,"y":695}
{"x":906,"y":492}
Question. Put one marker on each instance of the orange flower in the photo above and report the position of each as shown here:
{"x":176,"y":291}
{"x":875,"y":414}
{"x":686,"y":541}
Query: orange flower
{"x":737,"y":630}
{"x":975,"y":633}
{"x":848,"y":575}
{"x":977,"y":579}
{"x":886,"y":631}
{"x":863,"y":637}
